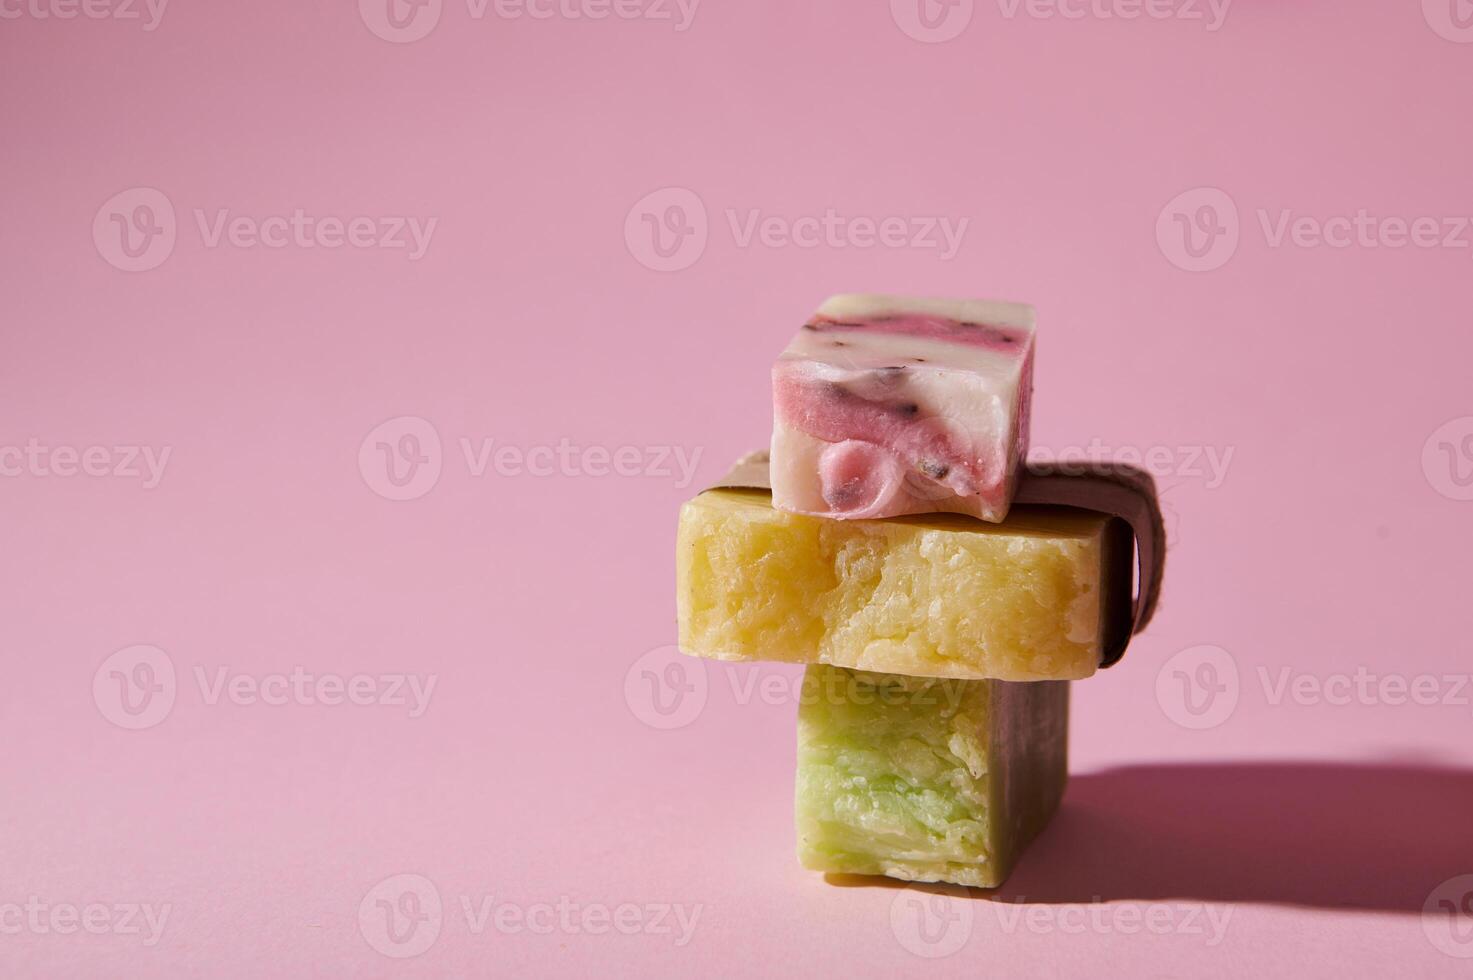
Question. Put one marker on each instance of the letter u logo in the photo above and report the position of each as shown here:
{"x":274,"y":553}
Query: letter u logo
{"x":1457,"y":455}
{"x":1460,"y":916}
{"x":1206,"y":220}
{"x":143,"y":679}
{"x":403,"y":20}
{"x":408,"y":911}
{"x":676,"y":222}
{"x":933,"y":919}
{"x":934,"y":21}
{"x":673,"y":680}
{"x":144,"y":223}
{"x":1207,"y":681}
{"x":410,"y":452}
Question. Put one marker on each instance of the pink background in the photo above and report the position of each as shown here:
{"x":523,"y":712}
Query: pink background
{"x":1331,"y":542}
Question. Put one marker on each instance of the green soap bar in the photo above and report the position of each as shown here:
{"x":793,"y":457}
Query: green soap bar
{"x":926,"y":779}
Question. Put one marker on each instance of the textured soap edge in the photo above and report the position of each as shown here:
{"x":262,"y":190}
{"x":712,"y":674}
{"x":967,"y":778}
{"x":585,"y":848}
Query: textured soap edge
{"x":1040,"y":711}
{"x":1120,"y":490}
{"x":868,"y":306}
{"x":1105,"y":609}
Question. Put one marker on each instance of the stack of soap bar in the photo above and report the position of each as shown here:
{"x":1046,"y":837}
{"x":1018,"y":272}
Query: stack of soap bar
{"x":926,"y":779}
{"x":1035,"y":598}
{"x":940,"y":625}
{"x":890,"y":405}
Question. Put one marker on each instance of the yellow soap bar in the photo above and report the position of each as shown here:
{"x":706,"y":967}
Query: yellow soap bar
{"x":1036,"y":597}
{"x":926,"y":779}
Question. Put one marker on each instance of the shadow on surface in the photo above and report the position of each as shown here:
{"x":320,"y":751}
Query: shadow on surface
{"x":1353,"y":836}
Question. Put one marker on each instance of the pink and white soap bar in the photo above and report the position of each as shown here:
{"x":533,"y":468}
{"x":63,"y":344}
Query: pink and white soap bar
{"x":888,"y":405}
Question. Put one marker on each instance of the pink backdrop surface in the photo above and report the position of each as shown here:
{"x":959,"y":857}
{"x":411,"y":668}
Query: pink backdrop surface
{"x":351,"y":355}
